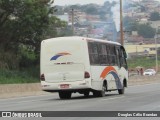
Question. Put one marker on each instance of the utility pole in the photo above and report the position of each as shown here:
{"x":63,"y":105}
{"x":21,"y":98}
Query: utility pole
{"x":72,"y":21}
{"x":156,"y":37}
{"x":136,"y":50}
{"x":121,"y":24}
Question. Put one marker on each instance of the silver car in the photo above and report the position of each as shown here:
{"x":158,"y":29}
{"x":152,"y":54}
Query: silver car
{"x":149,"y":72}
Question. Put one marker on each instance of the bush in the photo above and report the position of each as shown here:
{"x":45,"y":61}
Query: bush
{"x":19,"y":68}
{"x":8,"y":60}
{"x":24,"y":76}
{"x":141,"y":61}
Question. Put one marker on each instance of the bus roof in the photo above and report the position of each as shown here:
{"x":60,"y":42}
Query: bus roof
{"x":82,"y":38}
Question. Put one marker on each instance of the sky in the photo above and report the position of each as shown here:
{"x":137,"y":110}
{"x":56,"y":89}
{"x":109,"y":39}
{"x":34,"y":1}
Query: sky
{"x":72,"y":2}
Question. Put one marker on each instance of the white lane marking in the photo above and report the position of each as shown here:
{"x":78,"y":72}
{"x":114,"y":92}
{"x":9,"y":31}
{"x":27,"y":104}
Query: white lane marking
{"x":113,"y":98}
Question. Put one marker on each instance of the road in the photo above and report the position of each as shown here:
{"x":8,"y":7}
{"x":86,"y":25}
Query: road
{"x":136,"y":98}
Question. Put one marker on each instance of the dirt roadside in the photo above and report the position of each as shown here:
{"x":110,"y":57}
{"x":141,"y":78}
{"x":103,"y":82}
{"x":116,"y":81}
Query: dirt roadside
{"x":33,"y":89}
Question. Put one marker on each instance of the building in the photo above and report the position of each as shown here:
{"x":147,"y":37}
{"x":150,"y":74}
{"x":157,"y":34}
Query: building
{"x":78,"y":16}
{"x":147,"y":50}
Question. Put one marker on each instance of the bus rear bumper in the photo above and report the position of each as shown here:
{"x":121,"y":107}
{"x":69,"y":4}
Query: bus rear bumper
{"x":65,"y":86}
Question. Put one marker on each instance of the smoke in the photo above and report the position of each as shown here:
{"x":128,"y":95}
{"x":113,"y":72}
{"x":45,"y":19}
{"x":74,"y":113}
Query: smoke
{"x":116,"y":15}
{"x":116,"y":12}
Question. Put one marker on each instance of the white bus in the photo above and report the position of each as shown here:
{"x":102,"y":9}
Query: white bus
{"x":77,"y":64}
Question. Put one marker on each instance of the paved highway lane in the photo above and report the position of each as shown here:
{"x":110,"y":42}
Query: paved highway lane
{"x":144,"y":97}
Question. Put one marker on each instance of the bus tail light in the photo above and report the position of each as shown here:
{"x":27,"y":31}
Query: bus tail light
{"x":86,"y":75}
{"x":42,"y":77}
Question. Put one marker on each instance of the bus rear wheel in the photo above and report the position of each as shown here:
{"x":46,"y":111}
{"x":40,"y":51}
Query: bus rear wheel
{"x":121,"y":91}
{"x":65,"y":95}
{"x":100,"y":93}
{"x":86,"y":94}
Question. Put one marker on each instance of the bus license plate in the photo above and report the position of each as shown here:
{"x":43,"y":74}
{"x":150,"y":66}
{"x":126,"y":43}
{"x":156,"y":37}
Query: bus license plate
{"x":64,"y":86}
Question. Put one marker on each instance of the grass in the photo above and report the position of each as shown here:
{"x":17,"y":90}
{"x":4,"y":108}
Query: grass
{"x":143,"y":62}
{"x":30,"y":75}
{"x":18,"y":67}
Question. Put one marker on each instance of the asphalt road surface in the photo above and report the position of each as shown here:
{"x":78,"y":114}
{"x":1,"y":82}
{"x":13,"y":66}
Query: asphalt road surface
{"x":136,"y":98}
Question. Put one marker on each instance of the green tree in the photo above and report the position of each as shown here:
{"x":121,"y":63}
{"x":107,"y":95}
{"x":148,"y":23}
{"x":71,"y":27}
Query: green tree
{"x":146,"y":31}
{"x":155,"y":16}
{"x":24,"y":23}
{"x":102,"y":15}
{"x":130,"y":24}
{"x":158,"y":32}
{"x":91,"y":10}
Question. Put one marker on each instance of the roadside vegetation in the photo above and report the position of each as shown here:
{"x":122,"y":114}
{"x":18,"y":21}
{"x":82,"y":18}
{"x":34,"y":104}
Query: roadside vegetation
{"x":23,"y":68}
{"x":23,"y":25}
{"x":144,"y":62}
{"x":29,"y":75}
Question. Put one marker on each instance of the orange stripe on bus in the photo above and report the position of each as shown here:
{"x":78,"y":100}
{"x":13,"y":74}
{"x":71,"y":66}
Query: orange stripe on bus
{"x":63,"y":53}
{"x":106,"y":71}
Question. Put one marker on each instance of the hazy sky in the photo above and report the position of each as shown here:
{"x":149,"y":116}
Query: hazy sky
{"x":67,"y":2}
{"x":72,"y":2}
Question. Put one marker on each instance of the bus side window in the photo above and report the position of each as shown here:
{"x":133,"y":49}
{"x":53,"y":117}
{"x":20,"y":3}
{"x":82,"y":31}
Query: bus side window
{"x":123,"y":58}
{"x":108,"y":55}
{"x":112,"y":55}
{"x":103,"y":55}
{"x":118,"y":56}
{"x":93,"y":53}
